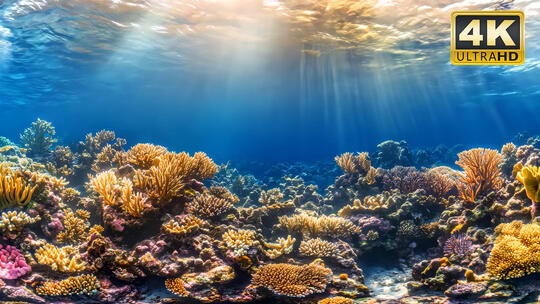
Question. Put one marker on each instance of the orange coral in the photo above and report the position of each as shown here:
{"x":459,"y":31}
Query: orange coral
{"x":292,"y":280}
{"x":105,"y":185}
{"x":336,"y":300}
{"x":132,"y":204}
{"x":80,"y":285}
{"x":352,"y":164}
{"x":482,"y":173}
{"x":63,"y":259}
{"x":176,"y":286}
{"x":143,"y":155}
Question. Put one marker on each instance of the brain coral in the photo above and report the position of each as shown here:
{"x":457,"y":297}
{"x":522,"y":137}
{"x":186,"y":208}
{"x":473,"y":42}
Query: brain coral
{"x":292,"y":280}
{"x":336,"y":300}
{"x":516,"y":252}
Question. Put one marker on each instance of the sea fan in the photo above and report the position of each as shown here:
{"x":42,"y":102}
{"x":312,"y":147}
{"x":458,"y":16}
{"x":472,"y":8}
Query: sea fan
{"x":458,"y":244}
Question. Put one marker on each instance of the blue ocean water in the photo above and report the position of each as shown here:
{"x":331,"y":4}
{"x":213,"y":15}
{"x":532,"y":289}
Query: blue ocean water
{"x":259,"y":80}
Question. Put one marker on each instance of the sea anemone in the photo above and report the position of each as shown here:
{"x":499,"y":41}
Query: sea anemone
{"x":458,"y":244}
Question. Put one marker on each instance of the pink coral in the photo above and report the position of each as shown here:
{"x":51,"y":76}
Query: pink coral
{"x":12,"y":263}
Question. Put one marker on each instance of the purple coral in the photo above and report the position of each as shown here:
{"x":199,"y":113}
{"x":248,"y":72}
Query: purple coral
{"x":458,"y":244}
{"x":12,"y":263}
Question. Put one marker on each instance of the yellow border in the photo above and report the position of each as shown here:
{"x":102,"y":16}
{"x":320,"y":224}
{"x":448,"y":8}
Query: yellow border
{"x":512,"y":13}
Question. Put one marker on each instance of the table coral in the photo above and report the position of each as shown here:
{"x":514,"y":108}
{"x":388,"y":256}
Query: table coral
{"x":12,"y":263}
{"x":13,"y":190}
{"x":176,"y":286}
{"x":209,"y":206}
{"x":379,"y":203}
{"x":516,"y":251}
{"x":318,"y":248}
{"x":79,"y":285}
{"x":314,"y":226}
{"x":239,"y":241}
{"x":281,"y":247}
{"x":292,"y":280}
{"x":62,"y":259}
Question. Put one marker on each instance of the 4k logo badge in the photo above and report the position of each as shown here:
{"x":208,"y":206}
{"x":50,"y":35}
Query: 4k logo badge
{"x":484,"y":37}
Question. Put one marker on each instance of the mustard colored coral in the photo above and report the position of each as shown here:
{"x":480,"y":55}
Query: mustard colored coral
{"x":336,"y":300}
{"x":209,"y":206}
{"x":529,"y":176}
{"x":76,"y":227}
{"x":144,"y":155}
{"x":13,"y":221}
{"x":516,"y":251}
{"x":481,"y":172}
{"x":105,"y":184}
{"x":176,"y":286}
{"x":239,"y":241}
{"x":318,"y":248}
{"x":280,"y":247}
{"x":183,"y":226}
{"x":315,"y":226}
{"x":86,"y":284}
{"x":13,"y":190}
{"x":292,"y":280}
{"x":62,"y":259}
{"x":352,"y":164}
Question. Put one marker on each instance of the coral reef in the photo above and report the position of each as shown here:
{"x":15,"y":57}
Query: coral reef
{"x":104,"y":224}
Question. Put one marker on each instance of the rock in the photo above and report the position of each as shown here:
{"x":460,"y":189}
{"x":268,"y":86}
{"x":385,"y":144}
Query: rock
{"x":19,"y":294}
{"x":466,"y":290}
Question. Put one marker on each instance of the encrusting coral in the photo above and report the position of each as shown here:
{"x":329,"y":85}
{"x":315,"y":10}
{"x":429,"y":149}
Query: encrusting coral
{"x":516,"y":252}
{"x":86,"y":284}
{"x":292,"y":280}
{"x":12,"y":263}
{"x":13,"y":190}
{"x":62,"y":259}
{"x":281,"y":247}
{"x":184,"y":225}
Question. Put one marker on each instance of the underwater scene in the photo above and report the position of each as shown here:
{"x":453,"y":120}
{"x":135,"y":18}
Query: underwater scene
{"x":264,"y":151}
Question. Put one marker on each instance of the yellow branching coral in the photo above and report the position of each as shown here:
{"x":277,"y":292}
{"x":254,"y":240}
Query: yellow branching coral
{"x":370,"y":204}
{"x":13,"y":190}
{"x":184,"y":226}
{"x":270,"y":197}
{"x":13,"y":221}
{"x":75,"y":227}
{"x":239,"y":241}
{"x":516,"y":252}
{"x":529,"y":176}
{"x":209,"y":206}
{"x":281,"y":247}
{"x":318,"y":248}
{"x":62,"y":259}
{"x":481,"y":172}
{"x":352,"y":164}
{"x":143,"y":155}
{"x":292,"y":280}
{"x":131,"y":204}
{"x":508,"y":150}
{"x":176,"y":286}
{"x":86,"y":284}
{"x":336,"y":300}
{"x":314,"y":226}
{"x":105,"y":184}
